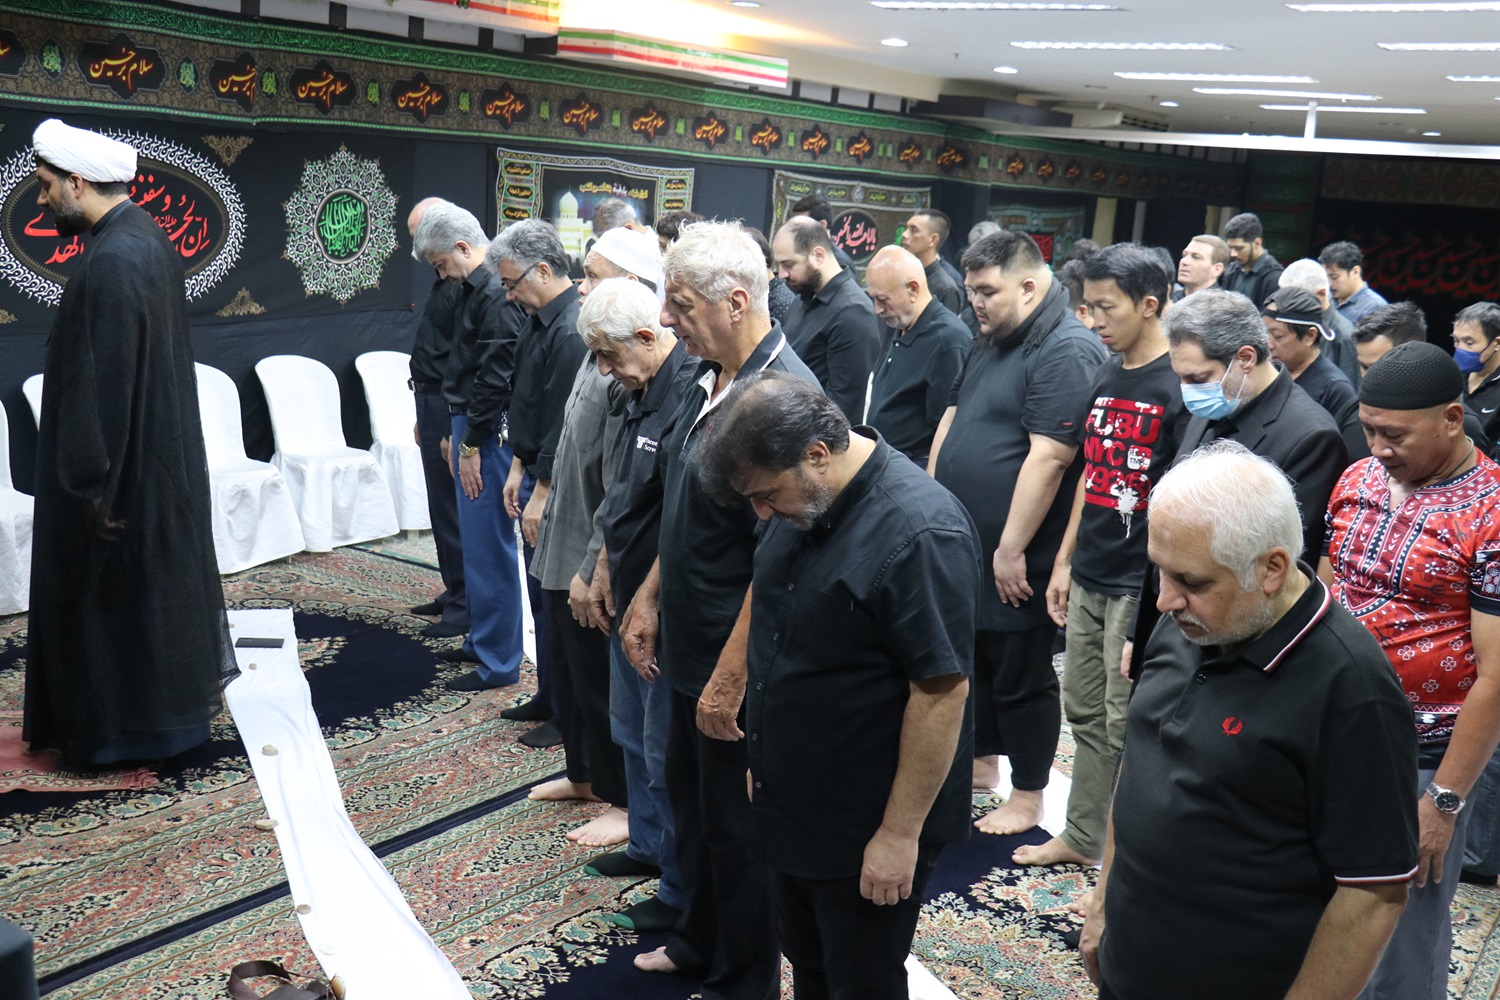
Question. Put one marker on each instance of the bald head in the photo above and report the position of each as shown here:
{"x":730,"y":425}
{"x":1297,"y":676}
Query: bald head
{"x":897,"y":285}
{"x":417,"y":211}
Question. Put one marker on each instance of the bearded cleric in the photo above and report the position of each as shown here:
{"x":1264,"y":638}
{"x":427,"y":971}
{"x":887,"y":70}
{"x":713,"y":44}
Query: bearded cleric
{"x":129,"y":644}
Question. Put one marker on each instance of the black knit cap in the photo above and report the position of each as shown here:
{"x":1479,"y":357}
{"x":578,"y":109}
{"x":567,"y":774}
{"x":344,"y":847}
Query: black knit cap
{"x":1296,"y":306}
{"x":1414,"y":376}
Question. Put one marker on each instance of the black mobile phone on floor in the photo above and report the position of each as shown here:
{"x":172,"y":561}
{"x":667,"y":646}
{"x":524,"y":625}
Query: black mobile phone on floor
{"x":252,"y":642}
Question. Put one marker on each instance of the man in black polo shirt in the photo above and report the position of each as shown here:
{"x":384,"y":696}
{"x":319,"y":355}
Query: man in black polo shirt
{"x":533,"y":268}
{"x":910,"y":391}
{"x":817,"y":208}
{"x":832,"y":328}
{"x":1008,"y":449}
{"x":865,"y":586}
{"x":1264,"y":828}
{"x":1254,"y":272}
{"x":1294,"y":323}
{"x":429,"y":362}
{"x":924,"y":233}
{"x":716,"y":304}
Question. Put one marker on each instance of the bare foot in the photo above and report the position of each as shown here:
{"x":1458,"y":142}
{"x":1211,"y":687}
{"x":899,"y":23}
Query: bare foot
{"x":1054,"y":852}
{"x":987,"y":771}
{"x":610,"y":827}
{"x":1081,"y":905}
{"x":655,"y":961}
{"x":561,"y":790}
{"x":1021,"y":812}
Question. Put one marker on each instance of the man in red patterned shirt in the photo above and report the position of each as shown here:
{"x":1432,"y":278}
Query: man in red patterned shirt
{"x":1414,"y":554}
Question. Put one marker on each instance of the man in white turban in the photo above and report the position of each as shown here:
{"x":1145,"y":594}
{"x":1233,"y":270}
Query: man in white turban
{"x":128,"y":640}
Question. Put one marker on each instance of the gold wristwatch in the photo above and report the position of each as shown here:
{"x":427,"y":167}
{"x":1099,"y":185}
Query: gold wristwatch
{"x":467,"y":451}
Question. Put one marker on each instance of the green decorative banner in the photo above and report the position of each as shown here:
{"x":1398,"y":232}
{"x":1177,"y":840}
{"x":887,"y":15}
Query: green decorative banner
{"x":866,"y":217}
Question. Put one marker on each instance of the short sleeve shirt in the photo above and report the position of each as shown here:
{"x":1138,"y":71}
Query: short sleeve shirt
{"x":1254,"y":783}
{"x":879,"y":593}
{"x":912,"y":382}
{"x":1412,"y":575}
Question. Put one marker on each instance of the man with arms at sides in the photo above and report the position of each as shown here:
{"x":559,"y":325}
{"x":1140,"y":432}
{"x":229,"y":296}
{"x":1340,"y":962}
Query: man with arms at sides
{"x":1007,"y":447}
{"x":1294,"y":324}
{"x":477,"y":387}
{"x":1263,"y":830}
{"x":620,"y":323}
{"x":429,"y":363}
{"x":1344,"y":263}
{"x":570,"y":554}
{"x":924,"y":233}
{"x":910,"y":392}
{"x":1202,"y":261}
{"x":532,"y":266}
{"x":716,"y":304}
{"x":832,"y":328}
{"x":1338,"y":332}
{"x":128,"y":646}
{"x":1130,"y":434}
{"x":865,"y":586}
{"x":1476,"y":330}
{"x":816,"y":207}
{"x":1254,"y":272}
{"x":1414,"y":554}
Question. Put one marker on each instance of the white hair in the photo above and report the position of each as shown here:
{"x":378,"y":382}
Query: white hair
{"x":444,"y":225}
{"x":1305,"y":273}
{"x":715,"y":258}
{"x":616,"y":309}
{"x":981,"y":229}
{"x":1245,"y":501}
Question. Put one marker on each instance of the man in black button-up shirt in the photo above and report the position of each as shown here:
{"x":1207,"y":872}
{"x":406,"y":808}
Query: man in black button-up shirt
{"x":833,"y":327}
{"x":861,"y":646}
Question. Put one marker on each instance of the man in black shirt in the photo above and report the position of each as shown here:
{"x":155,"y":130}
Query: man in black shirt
{"x":1008,"y":449}
{"x":532,"y":266}
{"x":429,"y":363}
{"x":1264,"y":827}
{"x":833,"y":329}
{"x":1294,"y":324}
{"x":924,"y":233}
{"x":477,"y":386}
{"x":864,"y":595}
{"x":1254,"y":272}
{"x":1476,"y":339}
{"x":716,"y":304}
{"x":910,"y":391}
{"x":816,"y":207}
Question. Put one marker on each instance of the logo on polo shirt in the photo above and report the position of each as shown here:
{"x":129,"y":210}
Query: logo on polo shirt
{"x":643,"y":443}
{"x":1231,"y":726}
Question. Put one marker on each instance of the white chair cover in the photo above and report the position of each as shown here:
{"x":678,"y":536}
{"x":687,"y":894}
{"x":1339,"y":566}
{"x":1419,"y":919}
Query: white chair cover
{"x":254,"y":518}
{"x":340,"y":493}
{"x":32,"y":389}
{"x":393,"y":413}
{"x":15,"y":533}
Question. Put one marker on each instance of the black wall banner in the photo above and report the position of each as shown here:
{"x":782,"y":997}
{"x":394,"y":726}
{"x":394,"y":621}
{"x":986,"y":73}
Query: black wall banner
{"x":866,"y":216}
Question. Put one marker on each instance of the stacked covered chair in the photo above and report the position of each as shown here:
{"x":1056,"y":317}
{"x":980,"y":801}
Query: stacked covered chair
{"x":32,"y":389}
{"x":254,"y":518}
{"x":340,"y":493}
{"x":15,"y":534}
{"x":393,"y":414}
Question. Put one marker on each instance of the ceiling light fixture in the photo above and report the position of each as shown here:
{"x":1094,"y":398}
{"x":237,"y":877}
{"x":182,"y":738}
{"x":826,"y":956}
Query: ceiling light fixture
{"x":1440,"y":46}
{"x":1475,"y":79}
{"x":982,"y":5}
{"x":744,"y":3}
{"x":1432,"y":134}
{"x":1312,"y":95}
{"x":1007,"y":70}
{"x":1215,"y":78}
{"x":1128,"y":46}
{"x":1366,"y":111}
{"x":895,"y":43}
{"x":1169,"y":104}
{"x":1473,"y":7}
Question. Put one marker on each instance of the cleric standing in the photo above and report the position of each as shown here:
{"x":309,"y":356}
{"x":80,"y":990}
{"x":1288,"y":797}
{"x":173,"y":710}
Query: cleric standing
{"x":128,"y":641}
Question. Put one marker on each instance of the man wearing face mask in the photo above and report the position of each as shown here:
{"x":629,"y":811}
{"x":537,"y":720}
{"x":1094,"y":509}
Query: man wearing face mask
{"x":1475,"y":331}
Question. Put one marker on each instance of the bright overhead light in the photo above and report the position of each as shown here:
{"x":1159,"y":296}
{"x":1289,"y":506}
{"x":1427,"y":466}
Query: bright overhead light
{"x":1432,"y":134}
{"x":1475,"y":7}
{"x":1215,"y":78}
{"x":1440,"y":46}
{"x":1312,"y":95}
{"x":1364,"y":111}
{"x":1169,"y":104}
{"x":895,"y":43}
{"x":1129,"y":46}
{"x":982,"y":5}
{"x":744,"y":3}
{"x":1007,"y":70}
{"x":1475,"y":79}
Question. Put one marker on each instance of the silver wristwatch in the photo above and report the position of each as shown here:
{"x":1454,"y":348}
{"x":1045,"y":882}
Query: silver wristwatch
{"x":1446,"y":799}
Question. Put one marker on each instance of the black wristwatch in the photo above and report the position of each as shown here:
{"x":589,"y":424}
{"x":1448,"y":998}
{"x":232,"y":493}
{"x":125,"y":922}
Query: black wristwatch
{"x":1446,"y":799}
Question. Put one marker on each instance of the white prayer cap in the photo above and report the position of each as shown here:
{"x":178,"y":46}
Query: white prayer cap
{"x":635,"y":252}
{"x":92,"y":156}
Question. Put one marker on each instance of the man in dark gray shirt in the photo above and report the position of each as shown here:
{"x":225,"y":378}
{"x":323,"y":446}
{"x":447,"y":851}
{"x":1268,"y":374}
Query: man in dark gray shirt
{"x":924,"y":234}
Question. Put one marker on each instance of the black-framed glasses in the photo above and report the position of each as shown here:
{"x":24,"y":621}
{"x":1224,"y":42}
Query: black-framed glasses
{"x":510,"y":286}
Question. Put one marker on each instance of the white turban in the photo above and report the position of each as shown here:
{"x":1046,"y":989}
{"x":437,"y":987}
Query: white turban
{"x":92,"y":156}
{"x":636,"y":253}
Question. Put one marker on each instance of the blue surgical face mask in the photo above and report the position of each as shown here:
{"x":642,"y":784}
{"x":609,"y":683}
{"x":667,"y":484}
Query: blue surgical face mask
{"x":1207,"y":399}
{"x":1468,"y":361}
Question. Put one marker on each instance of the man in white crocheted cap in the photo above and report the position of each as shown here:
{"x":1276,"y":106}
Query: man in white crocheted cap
{"x":128,"y":641}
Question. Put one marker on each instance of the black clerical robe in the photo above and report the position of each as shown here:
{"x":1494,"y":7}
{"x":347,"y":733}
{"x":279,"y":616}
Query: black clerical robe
{"x":129,"y":646}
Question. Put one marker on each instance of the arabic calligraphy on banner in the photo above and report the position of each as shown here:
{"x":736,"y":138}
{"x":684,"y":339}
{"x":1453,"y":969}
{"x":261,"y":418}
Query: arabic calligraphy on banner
{"x":12,"y":53}
{"x":234,"y":80}
{"x":420,"y":98}
{"x":506,"y":105}
{"x":189,"y":197}
{"x":322,"y":87}
{"x":122,"y":66}
{"x":866,"y":216}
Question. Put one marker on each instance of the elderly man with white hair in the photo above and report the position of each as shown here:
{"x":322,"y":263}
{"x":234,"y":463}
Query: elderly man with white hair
{"x":1264,"y":828}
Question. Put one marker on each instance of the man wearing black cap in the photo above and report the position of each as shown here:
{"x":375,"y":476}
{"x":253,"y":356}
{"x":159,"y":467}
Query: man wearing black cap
{"x":1294,"y":323}
{"x":1414,"y":554}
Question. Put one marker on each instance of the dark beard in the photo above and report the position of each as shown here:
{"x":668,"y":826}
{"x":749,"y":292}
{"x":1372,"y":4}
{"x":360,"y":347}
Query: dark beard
{"x":807,"y":289}
{"x":70,"y":220}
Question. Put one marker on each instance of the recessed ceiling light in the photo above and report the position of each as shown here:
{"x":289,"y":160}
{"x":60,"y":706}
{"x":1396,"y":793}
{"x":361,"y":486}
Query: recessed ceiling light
{"x":1432,"y":134}
{"x":1473,"y":7}
{"x":1215,"y":77}
{"x":1475,"y":79}
{"x":744,"y":3}
{"x":1313,"y":95}
{"x":1342,"y":110}
{"x":895,"y":43}
{"x":1129,"y":46}
{"x":1169,"y":104}
{"x":1007,"y":70}
{"x":1440,"y":46}
{"x":982,"y":5}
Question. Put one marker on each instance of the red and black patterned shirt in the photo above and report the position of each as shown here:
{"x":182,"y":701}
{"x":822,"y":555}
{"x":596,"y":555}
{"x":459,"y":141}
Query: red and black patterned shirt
{"x":1412,"y":575}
